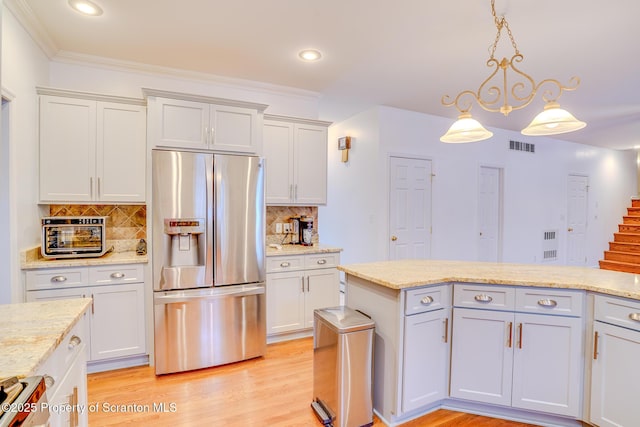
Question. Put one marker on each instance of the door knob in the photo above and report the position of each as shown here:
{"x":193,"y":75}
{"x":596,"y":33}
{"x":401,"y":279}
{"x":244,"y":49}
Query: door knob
{"x":394,"y":238}
{"x":569,"y":229}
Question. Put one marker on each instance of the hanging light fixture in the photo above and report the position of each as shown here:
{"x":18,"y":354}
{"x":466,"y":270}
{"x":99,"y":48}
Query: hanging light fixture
{"x":505,"y":97}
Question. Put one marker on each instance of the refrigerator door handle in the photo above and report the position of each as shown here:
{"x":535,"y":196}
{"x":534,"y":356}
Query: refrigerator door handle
{"x":179,"y":296}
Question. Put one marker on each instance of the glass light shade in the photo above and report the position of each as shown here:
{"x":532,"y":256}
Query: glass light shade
{"x":553,"y":120}
{"x":466,"y":129}
{"x":86,"y":7}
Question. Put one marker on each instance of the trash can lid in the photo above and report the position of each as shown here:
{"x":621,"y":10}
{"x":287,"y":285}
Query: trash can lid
{"x":343,"y":319}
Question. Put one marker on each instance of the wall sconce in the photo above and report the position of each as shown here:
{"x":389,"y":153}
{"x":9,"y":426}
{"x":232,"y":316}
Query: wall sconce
{"x":344,"y":144}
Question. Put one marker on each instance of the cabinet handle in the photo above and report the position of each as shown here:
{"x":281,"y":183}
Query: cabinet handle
{"x":308,"y":284}
{"x":446,"y":329}
{"x":58,"y":279}
{"x":302,"y":283}
{"x":635,"y":317}
{"x":520,"y":330}
{"x":546,"y":302}
{"x":74,"y":342}
{"x":74,"y":408}
{"x":92,"y":308}
{"x":91,"y":187}
{"x":426,"y":300}
{"x":285,"y":264}
{"x":117,"y":275}
{"x":98,"y":192}
{"x":322,"y":261}
{"x":483,"y":298}
{"x":213,"y":136}
{"x":291,"y":191}
{"x":595,"y":346}
{"x":510,"y":334}
{"x":49,"y":381}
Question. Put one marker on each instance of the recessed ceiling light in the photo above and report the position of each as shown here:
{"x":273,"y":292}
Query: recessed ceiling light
{"x":309,"y":55}
{"x":86,"y":7}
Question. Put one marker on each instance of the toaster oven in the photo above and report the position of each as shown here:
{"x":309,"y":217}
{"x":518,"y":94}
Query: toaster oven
{"x":73,"y":236}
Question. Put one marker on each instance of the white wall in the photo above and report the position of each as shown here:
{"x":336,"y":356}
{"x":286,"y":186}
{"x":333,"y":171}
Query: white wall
{"x":535,"y":188}
{"x":24,"y":66}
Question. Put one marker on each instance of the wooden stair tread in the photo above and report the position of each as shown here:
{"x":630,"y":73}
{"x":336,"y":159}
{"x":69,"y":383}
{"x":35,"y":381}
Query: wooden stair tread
{"x":624,"y":267}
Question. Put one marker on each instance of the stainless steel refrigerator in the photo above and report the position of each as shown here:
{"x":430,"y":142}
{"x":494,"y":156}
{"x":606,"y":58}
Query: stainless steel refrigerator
{"x":208,"y":259}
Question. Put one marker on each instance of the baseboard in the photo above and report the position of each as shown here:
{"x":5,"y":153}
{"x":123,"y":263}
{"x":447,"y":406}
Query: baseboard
{"x":120,"y":363}
{"x":271,"y":339}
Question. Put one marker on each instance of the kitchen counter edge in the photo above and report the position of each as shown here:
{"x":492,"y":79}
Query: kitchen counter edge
{"x":32,"y":260}
{"x":407,"y":274}
{"x":33,"y":330}
{"x":301,"y":250}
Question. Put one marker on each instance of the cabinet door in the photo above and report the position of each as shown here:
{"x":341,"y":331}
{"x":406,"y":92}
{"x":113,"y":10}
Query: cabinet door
{"x":285,"y":302}
{"x":426,"y":357}
{"x":67,"y":149}
{"x":310,"y":165}
{"x":322,"y":290}
{"x":178,"y":123}
{"x":547,"y":364}
{"x":615,"y":377}
{"x":278,"y":153}
{"x":234,"y":129}
{"x":117,"y":321}
{"x":56,"y":294}
{"x":482,"y":355}
{"x":121,"y":152}
{"x":71,"y":393}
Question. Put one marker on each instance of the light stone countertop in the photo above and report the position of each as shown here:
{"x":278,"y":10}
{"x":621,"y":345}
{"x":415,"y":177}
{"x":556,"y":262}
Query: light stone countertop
{"x":32,"y":259}
{"x":31,"y":331}
{"x":405,"y":274}
{"x":301,"y":250}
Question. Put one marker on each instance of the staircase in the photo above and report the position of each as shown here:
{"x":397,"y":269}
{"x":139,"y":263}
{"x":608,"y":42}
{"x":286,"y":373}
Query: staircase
{"x":624,"y":251}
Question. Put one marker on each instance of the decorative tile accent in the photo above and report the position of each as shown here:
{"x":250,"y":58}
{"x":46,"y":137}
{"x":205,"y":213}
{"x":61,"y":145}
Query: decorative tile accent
{"x":126,"y":224}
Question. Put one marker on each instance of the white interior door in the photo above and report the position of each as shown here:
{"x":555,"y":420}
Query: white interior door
{"x":409,"y":208}
{"x":578,"y":189}
{"x":490,"y":214}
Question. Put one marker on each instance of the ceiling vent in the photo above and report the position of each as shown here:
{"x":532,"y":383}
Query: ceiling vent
{"x":522,"y":146}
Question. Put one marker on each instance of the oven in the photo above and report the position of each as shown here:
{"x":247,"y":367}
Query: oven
{"x":73,"y":236}
{"x":23,"y":402}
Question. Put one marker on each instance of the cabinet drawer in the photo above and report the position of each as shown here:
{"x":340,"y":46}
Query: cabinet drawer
{"x":284,"y":263}
{"x":427,"y":299}
{"x":56,"y":278}
{"x":324,"y":260}
{"x":484,"y":296}
{"x":114,"y":274}
{"x":55,"y":367}
{"x":618,"y":311}
{"x":550,"y":301}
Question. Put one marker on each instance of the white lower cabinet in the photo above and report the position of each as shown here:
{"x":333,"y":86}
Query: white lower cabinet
{"x":513,"y":358}
{"x":425,"y":358}
{"x":116,"y":319}
{"x":615,"y":381}
{"x":297,"y":285}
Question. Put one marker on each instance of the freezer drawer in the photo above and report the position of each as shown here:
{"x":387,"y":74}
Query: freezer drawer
{"x":201,"y":328}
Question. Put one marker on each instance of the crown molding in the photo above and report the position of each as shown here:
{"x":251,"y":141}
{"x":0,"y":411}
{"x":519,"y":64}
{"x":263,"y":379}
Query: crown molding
{"x":25,"y":16}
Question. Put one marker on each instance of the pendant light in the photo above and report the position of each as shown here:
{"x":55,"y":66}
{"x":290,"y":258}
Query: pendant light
{"x":498,"y":93}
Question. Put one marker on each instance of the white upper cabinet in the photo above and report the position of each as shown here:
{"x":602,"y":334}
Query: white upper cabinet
{"x":92,"y":148}
{"x":201,"y":123}
{"x":296,"y":161}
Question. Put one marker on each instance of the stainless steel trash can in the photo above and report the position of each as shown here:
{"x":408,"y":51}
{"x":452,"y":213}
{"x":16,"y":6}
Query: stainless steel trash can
{"x":342,"y":367}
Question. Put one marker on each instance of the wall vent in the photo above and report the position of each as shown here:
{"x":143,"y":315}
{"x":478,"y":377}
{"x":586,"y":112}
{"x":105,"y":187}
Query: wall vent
{"x":522,"y":146}
{"x":550,"y":245}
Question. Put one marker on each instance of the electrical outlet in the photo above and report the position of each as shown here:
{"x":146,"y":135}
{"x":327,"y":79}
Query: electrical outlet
{"x":278,"y":228}
{"x":287,"y":227}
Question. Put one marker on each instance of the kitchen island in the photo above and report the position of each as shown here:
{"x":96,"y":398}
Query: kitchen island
{"x":518,"y":341}
{"x":48,"y":339}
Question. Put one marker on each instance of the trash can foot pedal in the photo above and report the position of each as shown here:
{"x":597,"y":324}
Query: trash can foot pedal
{"x":322,"y":413}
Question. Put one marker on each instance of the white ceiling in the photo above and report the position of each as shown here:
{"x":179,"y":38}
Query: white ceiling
{"x":403,"y":53}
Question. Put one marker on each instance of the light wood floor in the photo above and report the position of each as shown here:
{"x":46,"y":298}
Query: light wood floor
{"x":274,"y":390}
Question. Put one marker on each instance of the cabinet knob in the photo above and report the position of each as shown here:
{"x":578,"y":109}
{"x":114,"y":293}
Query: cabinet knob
{"x":546,"y":302}
{"x":569,"y":229}
{"x":322,"y":261}
{"x":394,"y":238}
{"x":285,"y":264}
{"x":117,"y":275}
{"x":426,"y":300}
{"x":74,"y":342}
{"x":635,"y":317}
{"x":58,"y":279}
{"x":483,"y":298}
{"x":49,"y":381}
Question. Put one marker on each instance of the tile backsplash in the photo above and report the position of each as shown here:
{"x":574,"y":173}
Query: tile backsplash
{"x":283,"y":214}
{"x":127,"y":224}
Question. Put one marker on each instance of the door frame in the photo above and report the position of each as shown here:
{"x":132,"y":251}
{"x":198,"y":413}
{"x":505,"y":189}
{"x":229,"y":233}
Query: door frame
{"x":388,"y":198}
{"x":501,"y":179}
{"x":8,"y":219}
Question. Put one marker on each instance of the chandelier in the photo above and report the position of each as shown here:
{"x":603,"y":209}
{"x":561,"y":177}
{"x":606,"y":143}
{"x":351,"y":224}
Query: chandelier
{"x":498,"y":94}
